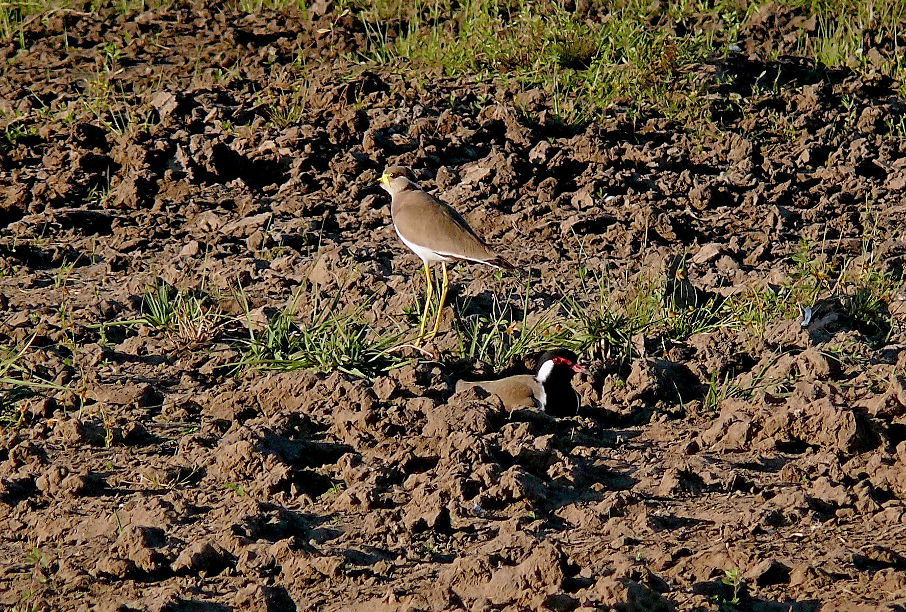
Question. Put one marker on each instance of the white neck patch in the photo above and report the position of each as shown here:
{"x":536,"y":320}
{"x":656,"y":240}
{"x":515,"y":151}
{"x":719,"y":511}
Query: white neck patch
{"x":544,"y":371}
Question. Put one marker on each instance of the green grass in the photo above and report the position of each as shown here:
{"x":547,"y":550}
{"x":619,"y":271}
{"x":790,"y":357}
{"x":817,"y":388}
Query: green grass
{"x":503,"y":335}
{"x":14,"y":12}
{"x":603,"y":325}
{"x":605,"y":316}
{"x":583,"y":67}
{"x":190,"y":317}
{"x":326,"y":338}
{"x":846,"y":30}
{"x":867,"y":290}
{"x":261,"y":6}
{"x":114,"y":108}
{"x":18,"y":381}
{"x":630,"y":54}
{"x":632,"y":57}
{"x":16,"y":128}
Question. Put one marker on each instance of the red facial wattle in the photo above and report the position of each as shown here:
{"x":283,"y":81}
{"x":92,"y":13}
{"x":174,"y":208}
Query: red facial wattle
{"x":575,"y":367}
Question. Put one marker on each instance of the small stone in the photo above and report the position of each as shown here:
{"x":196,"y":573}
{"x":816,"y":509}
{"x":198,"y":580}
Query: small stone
{"x":165,"y":103}
{"x":768,"y":572}
{"x":201,"y":556}
{"x":115,"y":567}
{"x":191,"y":249}
{"x":72,"y":431}
{"x":540,"y":153}
{"x":692,"y":447}
{"x":255,"y":241}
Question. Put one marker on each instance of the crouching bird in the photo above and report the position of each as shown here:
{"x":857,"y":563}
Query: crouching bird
{"x":550,"y":389}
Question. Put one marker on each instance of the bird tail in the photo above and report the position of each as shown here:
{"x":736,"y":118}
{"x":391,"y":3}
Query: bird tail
{"x":499,"y":262}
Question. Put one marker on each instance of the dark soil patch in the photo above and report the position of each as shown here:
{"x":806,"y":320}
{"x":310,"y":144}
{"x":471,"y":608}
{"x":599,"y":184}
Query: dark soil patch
{"x":161,"y":479}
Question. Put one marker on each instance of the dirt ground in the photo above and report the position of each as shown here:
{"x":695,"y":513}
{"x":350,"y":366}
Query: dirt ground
{"x":160,"y":479}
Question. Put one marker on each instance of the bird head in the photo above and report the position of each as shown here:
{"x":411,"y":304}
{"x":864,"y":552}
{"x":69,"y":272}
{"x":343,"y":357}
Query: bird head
{"x":396,"y":179}
{"x":563,"y":362}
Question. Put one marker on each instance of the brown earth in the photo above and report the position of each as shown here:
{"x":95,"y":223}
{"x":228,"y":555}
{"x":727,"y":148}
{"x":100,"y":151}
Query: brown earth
{"x":161,"y":481}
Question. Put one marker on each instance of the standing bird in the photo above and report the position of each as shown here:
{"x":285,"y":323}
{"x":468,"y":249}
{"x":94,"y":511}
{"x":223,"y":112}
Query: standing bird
{"x":550,"y":389}
{"x":435,"y":232}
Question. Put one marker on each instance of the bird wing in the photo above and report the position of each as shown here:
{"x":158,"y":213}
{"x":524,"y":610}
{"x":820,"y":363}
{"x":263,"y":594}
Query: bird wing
{"x":516,"y":391}
{"x":430,"y":223}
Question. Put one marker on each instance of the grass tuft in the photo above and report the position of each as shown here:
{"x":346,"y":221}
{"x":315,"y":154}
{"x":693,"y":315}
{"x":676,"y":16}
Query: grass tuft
{"x":18,"y":382}
{"x":325,"y":340}
{"x":190,"y":315}
{"x":500,"y":337}
{"x":604,"y":326}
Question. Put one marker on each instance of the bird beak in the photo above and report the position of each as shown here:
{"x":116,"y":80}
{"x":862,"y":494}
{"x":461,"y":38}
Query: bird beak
{"x":385,"y":180}
{"x":577,"y":368}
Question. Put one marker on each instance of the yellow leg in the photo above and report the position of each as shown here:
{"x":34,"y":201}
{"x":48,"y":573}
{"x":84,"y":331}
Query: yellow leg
{"x":443,"y":299}
{"x":421,"y":327}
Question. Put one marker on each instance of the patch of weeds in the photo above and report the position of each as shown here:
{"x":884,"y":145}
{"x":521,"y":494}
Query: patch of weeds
{"x":116,"y":109}
{"x":235,"y":488}
{"x":181,"y":478}
{"x":896,"y":126}
{"x":862,"y":284}
{"x":327,"y":339}
{"x":586,"y":65}
{"x":501,"y":335}
{"x":287,"y":108}
{"x":18,"y":382}
{"x":605,"y":327}
{"x":720,"y":389}
{"x":61,"y":277}
{"x":814,"y":272}
{"x":783,"y":127}
{"x":259,"y":6}
{"x":190,"y":316}
{"x":131,"y":7}
{"x":732,"y":579}
{"x":688,"y":311}
{"x":335,"y":489}
{"x":852,"y":353}
{"x":14,"y":13}
{"x":757,"y":308}
{"x":860,"y":35}
{"x":99,"y":194}
{"x":16,"y":127}
{"x":681,"y":322}
{"x":867,"y":298}
{"x":160,"y":305}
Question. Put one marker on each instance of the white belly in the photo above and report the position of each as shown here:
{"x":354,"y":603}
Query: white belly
{"x":425,"y":254}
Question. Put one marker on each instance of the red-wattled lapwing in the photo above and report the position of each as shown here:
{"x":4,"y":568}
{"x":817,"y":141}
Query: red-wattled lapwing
{"x":435,"y":232}
{"x":550,"y":389}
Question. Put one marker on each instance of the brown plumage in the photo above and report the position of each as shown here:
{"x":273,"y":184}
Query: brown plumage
{"x":434,"y":231}
{"x":423,"y":220}
{"x":550,"y":389}
{"x":520,"y":391}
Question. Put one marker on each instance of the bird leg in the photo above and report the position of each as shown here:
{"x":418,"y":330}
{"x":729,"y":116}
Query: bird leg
{"x":443,"y":298}
{"x":421,"y":327}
